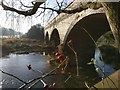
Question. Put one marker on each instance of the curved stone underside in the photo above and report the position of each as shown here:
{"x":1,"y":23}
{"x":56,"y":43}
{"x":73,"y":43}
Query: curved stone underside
{"x":96,"y":25}
{"x":71,"y":27}
{"x":55,"y":38}
{"x":47,"y":37}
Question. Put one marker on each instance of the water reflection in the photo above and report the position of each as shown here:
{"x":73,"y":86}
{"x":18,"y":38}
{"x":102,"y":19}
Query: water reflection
{"x":108,"y":69}
{"x":17,"y":65}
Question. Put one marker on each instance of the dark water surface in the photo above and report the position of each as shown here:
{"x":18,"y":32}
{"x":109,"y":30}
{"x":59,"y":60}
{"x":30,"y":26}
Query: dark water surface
{"x":108,"y":69}
{"x":17,"y":65}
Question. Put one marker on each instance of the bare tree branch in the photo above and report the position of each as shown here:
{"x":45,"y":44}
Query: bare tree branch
{"x":25,"y":13}
{"x":25,"y":5}
{"x":50,"y":16}
{"x":38,"y":78}
{"x":44,"y":75}
{"x":58,"y":5}
{"x":36,"y":5}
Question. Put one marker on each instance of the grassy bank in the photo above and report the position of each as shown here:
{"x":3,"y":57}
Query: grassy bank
{"x":21,"y":46}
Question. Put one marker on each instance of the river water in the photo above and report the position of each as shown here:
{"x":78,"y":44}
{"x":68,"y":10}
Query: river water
{"x":17,"y":65}
{"x":107,"y":68}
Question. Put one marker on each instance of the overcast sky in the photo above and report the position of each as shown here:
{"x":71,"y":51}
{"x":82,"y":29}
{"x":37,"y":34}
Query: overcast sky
{"x":21,"y":23}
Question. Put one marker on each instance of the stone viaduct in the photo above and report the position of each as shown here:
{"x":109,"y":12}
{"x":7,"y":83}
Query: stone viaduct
{"x":74,"y":26}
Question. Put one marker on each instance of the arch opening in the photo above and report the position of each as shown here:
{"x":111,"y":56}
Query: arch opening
{"x":55,"y":38}
{"x":109,"y":50}
{"x":47,"y":37}
{"x":96,"y":25}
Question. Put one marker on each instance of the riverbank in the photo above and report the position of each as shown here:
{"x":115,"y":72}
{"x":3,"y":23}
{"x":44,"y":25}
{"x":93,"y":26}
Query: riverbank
{"x":20,"y":46}
{"x":26,"y":46}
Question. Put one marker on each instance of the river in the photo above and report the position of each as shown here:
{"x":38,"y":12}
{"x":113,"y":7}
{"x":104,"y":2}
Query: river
{"x":107,"y":68}
{"x":17,"y":65}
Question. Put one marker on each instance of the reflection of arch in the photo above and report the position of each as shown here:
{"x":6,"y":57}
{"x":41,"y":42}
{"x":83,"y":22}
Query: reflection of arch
{"x":95,"y":25}
{"x":47,"y":37}
{"x":55,"y":38}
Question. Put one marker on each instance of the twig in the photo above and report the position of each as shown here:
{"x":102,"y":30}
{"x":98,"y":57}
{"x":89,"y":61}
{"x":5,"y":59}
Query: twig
{"x":32,"y":85}
{"x":58,"y":5}
{"x":68,"y":78}
{"x":43,"y":76}
{"x":100,"y":57}
{"x":66,"y":65}
{"x":50,"y":16}
{"x":13,"y":76}
{"x":93,"y":41}
{"x":38,"y":71}
{"x":89,"y":86}
{"x":36,"y":83}
{"x":61,"y":4}
{"x":86,"y":85}
{"x":75,"y":59}
{"x":107,"y":76}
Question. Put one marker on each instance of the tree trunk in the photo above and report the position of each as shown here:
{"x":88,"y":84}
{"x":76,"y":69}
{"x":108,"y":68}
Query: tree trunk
{"x":112,"y":12}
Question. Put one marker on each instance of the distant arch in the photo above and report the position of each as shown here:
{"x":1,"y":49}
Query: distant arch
{"x":96,"y":25}
{"x":47,"y":37}
{"x":55,"y":37}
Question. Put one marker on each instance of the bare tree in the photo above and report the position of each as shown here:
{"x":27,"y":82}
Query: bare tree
{"x":35,"y":5}
{"x":112,"y":12}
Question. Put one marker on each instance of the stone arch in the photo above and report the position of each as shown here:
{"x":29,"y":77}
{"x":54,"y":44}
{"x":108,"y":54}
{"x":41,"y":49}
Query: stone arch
{"x":96,"y":25}
{"x":47,"y":37}
{"x":55,"y":37}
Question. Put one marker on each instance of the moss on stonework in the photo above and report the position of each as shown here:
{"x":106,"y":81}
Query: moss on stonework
{"x":107,"y":39}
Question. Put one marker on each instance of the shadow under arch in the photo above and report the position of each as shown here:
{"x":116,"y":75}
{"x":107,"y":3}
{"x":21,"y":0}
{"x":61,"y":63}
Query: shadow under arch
{"x":55,"y":37}
{"x":47,"y":37}
{"x":96,"y":25}
{"x":108,"y":49}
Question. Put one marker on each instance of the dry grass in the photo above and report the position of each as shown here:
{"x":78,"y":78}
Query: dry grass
{"x":21,"y":45}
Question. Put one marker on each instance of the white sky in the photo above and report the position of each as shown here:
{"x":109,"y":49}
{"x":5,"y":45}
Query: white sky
{"x":21,"y":23}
